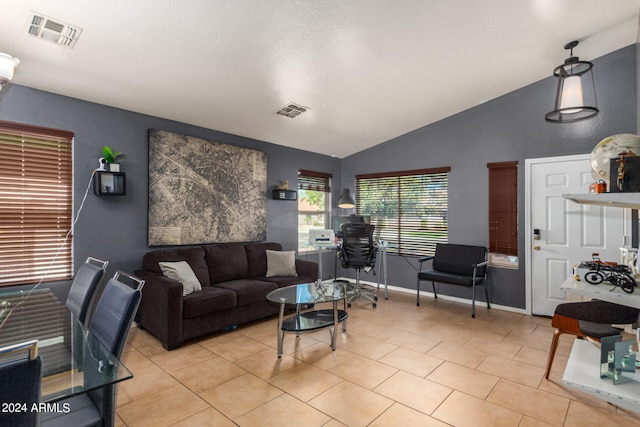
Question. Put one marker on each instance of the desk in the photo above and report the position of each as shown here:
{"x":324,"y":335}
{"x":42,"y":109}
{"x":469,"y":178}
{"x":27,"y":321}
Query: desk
{"x":73,"y":360}
{"x":583,"y":367}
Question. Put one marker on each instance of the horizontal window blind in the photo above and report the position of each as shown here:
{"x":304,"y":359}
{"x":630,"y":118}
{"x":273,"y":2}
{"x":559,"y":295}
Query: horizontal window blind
{"x":503,"y":208}
{"x":35,"y":204}
{"x":314,"y":181}
{"x":409,"y":208}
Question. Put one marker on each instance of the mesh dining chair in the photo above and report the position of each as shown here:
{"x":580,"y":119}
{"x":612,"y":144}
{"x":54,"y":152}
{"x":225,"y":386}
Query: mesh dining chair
{"x":84,"y":285}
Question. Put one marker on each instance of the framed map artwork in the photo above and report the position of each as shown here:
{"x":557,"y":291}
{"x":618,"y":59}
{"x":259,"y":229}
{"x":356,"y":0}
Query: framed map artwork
{"x":204,"y":192}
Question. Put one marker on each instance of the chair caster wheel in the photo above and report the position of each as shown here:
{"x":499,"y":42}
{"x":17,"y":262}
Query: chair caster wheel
{"x":375,"y":299}
{"x":375,"y":305}
{"x":349,"y":305}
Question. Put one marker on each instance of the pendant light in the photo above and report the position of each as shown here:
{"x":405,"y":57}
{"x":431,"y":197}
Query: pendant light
{"x":345,"y":201}
{"x":576,"y":93}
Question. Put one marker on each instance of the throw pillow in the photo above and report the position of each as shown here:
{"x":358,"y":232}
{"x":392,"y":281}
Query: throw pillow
{"x":281,"y":263}
{"x":182,"y":272}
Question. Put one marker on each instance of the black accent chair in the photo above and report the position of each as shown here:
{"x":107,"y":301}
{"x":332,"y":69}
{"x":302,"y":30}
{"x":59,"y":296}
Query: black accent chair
{"x":20,"y":383}
{"x":83,"y":287}
{"x":110,"y":325}
{"x":359,"y":252}
{"x":588,"y":319}
{"x":462,"y":265}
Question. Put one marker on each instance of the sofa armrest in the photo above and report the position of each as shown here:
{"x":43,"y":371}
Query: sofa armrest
{"x":307,"y":268}
{"x":160,"y":309}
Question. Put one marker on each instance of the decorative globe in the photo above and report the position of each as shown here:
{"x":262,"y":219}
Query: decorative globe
{"x":609,"y":148}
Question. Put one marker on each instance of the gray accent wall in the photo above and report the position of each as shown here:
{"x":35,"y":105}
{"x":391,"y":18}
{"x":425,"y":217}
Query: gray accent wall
{"x":508,"y":128}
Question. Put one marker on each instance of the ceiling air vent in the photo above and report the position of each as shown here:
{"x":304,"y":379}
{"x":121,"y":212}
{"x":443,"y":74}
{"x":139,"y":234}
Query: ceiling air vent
{"x":53,"y":30}
{"x":292,"y":110}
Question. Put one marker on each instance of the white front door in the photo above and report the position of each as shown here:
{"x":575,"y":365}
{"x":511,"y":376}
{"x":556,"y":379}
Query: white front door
{"x":569,"y":232}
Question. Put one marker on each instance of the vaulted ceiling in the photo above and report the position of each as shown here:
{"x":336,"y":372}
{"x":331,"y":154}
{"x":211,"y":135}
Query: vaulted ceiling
{"x":366,"y":70}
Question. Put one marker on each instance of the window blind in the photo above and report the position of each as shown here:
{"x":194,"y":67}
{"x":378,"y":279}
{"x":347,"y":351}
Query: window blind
{"x":35,"y":204}
{"x":503,"y":208}
{"x":314,"y":181}
{"x":408,"y":208}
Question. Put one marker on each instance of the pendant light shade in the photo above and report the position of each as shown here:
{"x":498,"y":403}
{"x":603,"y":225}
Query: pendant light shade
{"x":576,"y":92}
{"x":7,"y":65}
{"x":345,"y":200}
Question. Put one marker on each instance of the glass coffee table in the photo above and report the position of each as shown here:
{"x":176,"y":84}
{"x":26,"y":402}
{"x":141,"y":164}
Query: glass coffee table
{"x":305,"y":294}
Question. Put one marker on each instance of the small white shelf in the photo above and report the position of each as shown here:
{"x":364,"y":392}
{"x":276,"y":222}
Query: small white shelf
{"x":620,"y":200}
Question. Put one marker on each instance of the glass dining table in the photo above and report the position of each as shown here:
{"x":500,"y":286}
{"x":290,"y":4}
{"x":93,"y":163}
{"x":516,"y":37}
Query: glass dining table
{"x":73,"y":360}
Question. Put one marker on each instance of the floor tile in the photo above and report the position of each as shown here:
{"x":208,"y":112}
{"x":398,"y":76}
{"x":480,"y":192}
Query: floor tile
{"x":513,"y":370}
{"x":281,"y":411}
{"x":163,"y":408}
{"x":240,"y":395}
{"x":581,"y":415}
{"x":351,"y":404}
{"x":538,"y":404}
{"x":207,"y":418}
{"x":400,"y":415}
{"x":304,"y":381}
{"x":208,"y":374}
{"x":462,"y":410}
{"x":414,"y":392}
{"x":411,"y":361}
{"x":362,"y":371}
{"x":467,"y":380}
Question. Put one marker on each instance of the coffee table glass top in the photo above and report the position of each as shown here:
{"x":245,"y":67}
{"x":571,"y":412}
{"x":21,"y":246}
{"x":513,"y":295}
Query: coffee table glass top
{"x":309,"y":293}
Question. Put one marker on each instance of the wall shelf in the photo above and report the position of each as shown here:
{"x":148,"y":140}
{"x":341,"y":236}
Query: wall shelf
{"x":109,"y":183}
{"x":619,"y":200}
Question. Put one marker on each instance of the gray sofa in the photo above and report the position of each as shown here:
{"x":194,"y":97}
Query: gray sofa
{"x":234,"y":289}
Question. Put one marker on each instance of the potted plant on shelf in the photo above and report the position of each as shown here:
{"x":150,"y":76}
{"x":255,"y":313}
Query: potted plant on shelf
{"x":112,"y":158}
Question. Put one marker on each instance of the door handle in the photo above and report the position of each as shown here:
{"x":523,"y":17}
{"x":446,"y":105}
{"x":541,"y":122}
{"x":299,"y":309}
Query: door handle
{"x":536,"y":248}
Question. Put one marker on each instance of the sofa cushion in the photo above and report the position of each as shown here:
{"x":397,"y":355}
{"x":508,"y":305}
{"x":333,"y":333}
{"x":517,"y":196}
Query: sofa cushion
{"x":193,"y":256}
{"x":226,"y":261}
{"x":248,"y":291}
{"x":281,"y":263}
{"x":209,"y":300}
{"x":257,"y":257}
{"x":182,"y":272}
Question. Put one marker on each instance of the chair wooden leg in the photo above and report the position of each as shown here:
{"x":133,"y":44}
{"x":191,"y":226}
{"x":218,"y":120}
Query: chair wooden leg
{"x":552,"y":351}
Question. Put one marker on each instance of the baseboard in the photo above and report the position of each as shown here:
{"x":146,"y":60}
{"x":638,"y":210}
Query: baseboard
{"x":440,"y":296}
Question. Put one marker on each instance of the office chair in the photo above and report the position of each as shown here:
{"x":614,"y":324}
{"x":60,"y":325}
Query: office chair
{"x":110,"y":325}
{"x":83,"y":287}
{"x":20,"y":379}
{"x":358,"y":252}
{"x":588,"y":319}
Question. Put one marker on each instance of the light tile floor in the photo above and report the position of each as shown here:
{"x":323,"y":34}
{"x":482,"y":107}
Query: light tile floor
{"x":397,"y":365}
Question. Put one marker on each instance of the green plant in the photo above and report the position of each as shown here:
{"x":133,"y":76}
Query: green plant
{"x":109,"y":155}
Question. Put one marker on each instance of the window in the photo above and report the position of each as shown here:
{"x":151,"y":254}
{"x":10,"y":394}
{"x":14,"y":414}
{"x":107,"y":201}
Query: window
{"x":35,"y":204}
{"x":409,"y":209}
{"x":503,"y":214}
{"x":314,"y":189}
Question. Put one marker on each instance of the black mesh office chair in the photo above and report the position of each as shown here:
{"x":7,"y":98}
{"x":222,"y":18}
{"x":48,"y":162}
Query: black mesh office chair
{"x":358,"y":252}
{"x":20,"y":383}
{"x":83,"y":287}
{"x":110,"y":325}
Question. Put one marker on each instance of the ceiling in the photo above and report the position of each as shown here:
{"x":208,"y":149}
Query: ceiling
{"x":368,"y":70}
